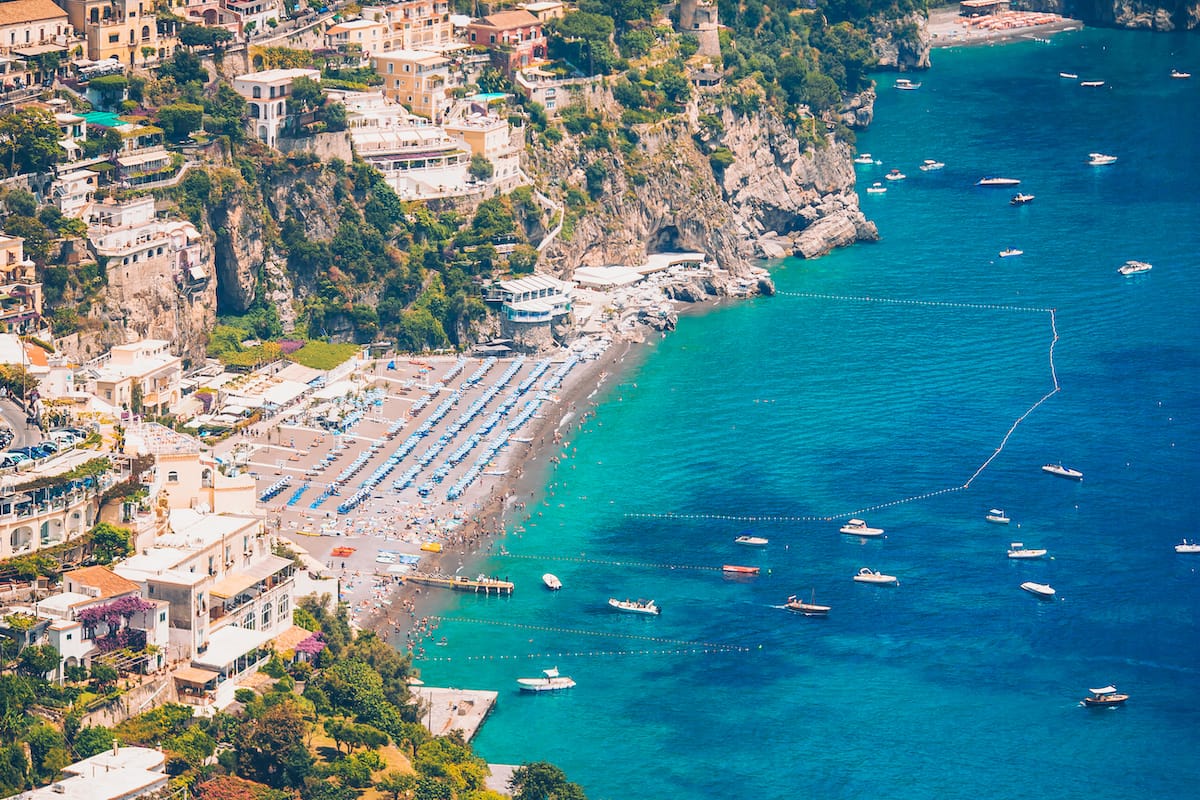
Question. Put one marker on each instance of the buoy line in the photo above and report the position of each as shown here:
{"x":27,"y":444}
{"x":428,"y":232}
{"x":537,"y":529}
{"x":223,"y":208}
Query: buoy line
{"x":589,"y":654}
{"x":580,"y":560}
{"x":904,"y":302}
{"x":580,"y":632}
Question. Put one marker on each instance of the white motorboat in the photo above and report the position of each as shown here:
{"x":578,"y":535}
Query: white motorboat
{"x":1068,"y":75}
{"x":906,"y":85}
{"x":876,"y":188}
{"x":1010,"y":252}
{"x":895,"y":175}
{"x":552,"y":582}
{"x":1091,"y":84}
{"x":1187,"y":547}
{"x":1020,"y":199}
{"x":868,"y":575}
{"x":1100,"y":159}
{"x":809,"y":609}
{"x":1042,"y":590}
{"x":993,"y":181}
{"x":997,"y":516}
{"x":1063,"y":472}
{"x":1018,"y":550}
{"x":864,"y":158}
{"x":1104,"y":697}
{"x":857,"y":527}
{"x":929,"y":165}
{"x":550,"y":681}
{"x":1180,"y":75}
{"x":635,"y":606}
{"x":751,"y":541}
{"x":1132,"y":267}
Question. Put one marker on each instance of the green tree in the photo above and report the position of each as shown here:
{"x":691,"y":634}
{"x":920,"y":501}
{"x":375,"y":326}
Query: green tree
{"x":111,"y":89}
{"x":394,"y":783}
{"x":92,"y":740}
{"x":306,"y":95}
{"x":180,"y":120}
{"x":29,"y":140}
{"x":481,"y":168}
{"x":47,"y":750}
{"x":543,"y":781}
{"x":21,"y":203}
{"x":270,"y":747}
{"x":184,"y":66}
{"x":451,"y":760}
{"x":188,"y":750}
{"x":14,"y":768}
{"x":38,"y":660}
{"x":110,"y":543}
{"x":104,"y":675}
{"x":584,"y":39}
{"x":36,"y":235}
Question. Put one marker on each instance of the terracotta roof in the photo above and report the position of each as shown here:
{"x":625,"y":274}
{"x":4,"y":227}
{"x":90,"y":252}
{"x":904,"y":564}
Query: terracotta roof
{"x":108,"y":582}
{"x":506,"y":20}
{"x":15,"y":12}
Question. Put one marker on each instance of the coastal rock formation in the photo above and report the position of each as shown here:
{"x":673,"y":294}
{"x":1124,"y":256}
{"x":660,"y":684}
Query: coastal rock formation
{"x":900,"y":43}
{"x":1154,"y":15}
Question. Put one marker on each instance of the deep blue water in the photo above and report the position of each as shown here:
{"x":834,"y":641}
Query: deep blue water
{"x":956,"y":684}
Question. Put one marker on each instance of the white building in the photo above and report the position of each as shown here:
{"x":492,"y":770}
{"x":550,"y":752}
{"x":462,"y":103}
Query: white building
{"x":143,"y":374}
{"x":266,"y":97}
{"x":122,"y":773}
{"x":134,"y":241}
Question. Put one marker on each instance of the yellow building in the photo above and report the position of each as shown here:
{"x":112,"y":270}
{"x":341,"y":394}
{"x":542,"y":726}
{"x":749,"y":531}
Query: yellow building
{"x":419,"y":79}
{"x":123,"y":29}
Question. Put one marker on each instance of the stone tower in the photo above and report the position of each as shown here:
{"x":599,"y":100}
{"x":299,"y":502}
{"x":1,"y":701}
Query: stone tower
{"x":699,"y":18}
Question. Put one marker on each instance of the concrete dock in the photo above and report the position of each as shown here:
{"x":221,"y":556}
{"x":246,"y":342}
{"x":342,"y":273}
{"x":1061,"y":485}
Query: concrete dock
{"x":444,"y":710}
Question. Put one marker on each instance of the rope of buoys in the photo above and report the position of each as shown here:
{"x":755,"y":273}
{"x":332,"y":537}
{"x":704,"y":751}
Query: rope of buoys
{"x":904,"y":302}
{"x":580,"y":560}
{"x":679,"y":651}
{"x":580,"y":632}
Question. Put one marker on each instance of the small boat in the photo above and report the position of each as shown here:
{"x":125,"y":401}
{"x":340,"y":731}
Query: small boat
{"x":1180,"y":75}
{"x":1134,"y":268}
{"x":1020,"y":199}
{"x":550,"y":681}
{"x":905,"y":84}
{"x":1063,"y":472}
{"x":929,"y":165}
{"x":1068,"y":75}
{"x":868,"y":575}
{"x":876,"y":188}
{"x":857,"y":527}
{"x":635,"y":606}
{"x":1104,"y":697}
{"x":552,"y":582}
{"x":735,"y":569}
{"x":895,"y":175}
{"x":1010,"y":252}
{"x":1018,"y":550}
{"x":750,"y":541}
{"x":1091,"y":84}
{"x":1042,"y":590}
{"x":1187,"y":547}
{"x":443,"y":642}
{"x":993,"y":181}
{"x":864,"y":158}
{"x":809,"y":609}
{"x":997,"y":516}
{"x":1100,"y":160}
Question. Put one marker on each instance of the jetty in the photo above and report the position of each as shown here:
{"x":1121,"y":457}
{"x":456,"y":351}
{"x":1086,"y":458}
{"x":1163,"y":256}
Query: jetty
{"x":460,"y":584}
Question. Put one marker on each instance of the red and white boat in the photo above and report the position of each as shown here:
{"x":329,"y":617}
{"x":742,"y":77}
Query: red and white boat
{"x":736,"y":570}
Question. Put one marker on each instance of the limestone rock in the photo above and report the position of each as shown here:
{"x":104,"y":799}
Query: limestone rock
{"x":900,"y":44}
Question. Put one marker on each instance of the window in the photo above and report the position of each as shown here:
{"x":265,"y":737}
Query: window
{"x":256,"y":92}
{"x":113,"y":38}
{"x":162,"y":616}
{"x":266,"y":616}
{"x":172,"y":477}
{"x":248,"y":622}
{"x":283,"y":606}
{"x":70,"y":636}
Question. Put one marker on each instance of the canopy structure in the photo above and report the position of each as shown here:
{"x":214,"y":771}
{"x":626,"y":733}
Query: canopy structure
{"x":196,"y":676}
{"x":238,"y":582}
{"x":1104,"y":690}
{"x":229,"y":644}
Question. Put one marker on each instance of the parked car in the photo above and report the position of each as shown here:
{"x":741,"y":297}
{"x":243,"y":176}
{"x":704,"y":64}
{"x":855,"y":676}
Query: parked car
{"x":18,"y":457}
{"x":48,"y":446}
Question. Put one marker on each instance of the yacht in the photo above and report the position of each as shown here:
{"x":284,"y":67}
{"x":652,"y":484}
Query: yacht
{"x":550,"y":681}
{"x":1063,"y":472}
{"x":993,"y":181}
{"x":1018,"y":550}
{"x":1091,"y":84}
{"x":868,"y":575}
{"x":635,"y":606}
{"x":1100,"y":160}
{"x":997,"y":516}
{"x":552,"y":582}
{"x":1010,"y":252}
{"x":1134,"y":268}
{"x":906,"y":85}
{"x":1187,"y":547}
{"x":857,"y":527}
{"x":809,"y":609}
{"x":1104,"y":697}
{"x":1180,"y":75}
{"x":1020,"y":199}
{"x":876,"y":188}
{"x":929,"y":165}
{"x":895,"y":175}
{"x":750,"y":541}
{"x":1068,"y":75}
{"x":1042,"y":590}
{"x":864,"y":158}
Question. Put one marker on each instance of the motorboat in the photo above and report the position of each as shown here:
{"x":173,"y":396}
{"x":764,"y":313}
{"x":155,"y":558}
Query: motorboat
{"x":1100,"y":159}
{"x":635,"y":606}
{"x":1018,"y":550}
{"x":929,"y":165}
{"x":1180,"y":75}
{"x":1104,"y":697}
{"x":997,"y":516}
{"x":905,"y":84}
{"x":751,"y":541}
{"x":1091,"y":84}
{"x":1042,"y":590}
{"x":1020,"y":199}
{"x":1068,"y":75}
{"x":734,"y":569}
{"x":895,"y":175}
{"x":550,"y":681}
{"x":809,"y":609}
{"x":1187,"y":547}
{"x":552,"y":582}
{"x":857,"y":527}
{"x":1010,"y":252}
{"x":1063,"y":472}
{"x":864,"y":158}
{"x":868,"y":575}
{"x":1134,"y":268}
{"x":994,"y":181}
{"x":876,"y":188}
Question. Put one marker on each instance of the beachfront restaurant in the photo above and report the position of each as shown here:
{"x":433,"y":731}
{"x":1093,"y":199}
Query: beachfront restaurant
{"x":537,"y":298}
{"x":982,"y":8}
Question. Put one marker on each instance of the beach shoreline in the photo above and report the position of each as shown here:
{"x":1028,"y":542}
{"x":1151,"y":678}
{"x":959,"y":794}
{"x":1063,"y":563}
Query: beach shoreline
{"x":947,"y":28}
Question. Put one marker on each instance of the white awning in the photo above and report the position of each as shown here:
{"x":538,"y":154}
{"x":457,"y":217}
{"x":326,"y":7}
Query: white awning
{"x":228,"y":645}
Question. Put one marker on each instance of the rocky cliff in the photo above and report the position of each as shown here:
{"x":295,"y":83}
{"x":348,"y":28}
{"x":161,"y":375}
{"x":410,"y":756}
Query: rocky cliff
{"x":1156,"y":15}
{"x":900,"y":43}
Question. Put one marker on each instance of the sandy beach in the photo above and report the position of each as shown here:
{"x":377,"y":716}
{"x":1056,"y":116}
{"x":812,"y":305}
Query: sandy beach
{"x":947,"y":28}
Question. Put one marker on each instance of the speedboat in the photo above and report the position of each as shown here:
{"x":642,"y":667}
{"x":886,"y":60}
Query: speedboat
{"x":929,"y":165}
{"x":1104,"y":697}
{"x":1100,"y":160}
{"x":809,"y":609}
{"x":1020,"y":199}
{"x":895,"y":175}
{"x":1042,"y":590}
{"x":750,"y":541}
{"x":906,"y":85}
{"x":1134,"y":268}
{"x":868,"y":575}
{"x":1091,"y":84}
{"x":736,"y":570}
{"x":1068,"y":75}
{"x":1180,"y":75}
{"x":857,"y":527}
{"x":864,"y":158}
{"x":1010,"y":252}
{"x":993,"y":181}
{"x":876,"y":188}
{"x":1187,"y":547}
{"x":550,"y":681}
{"x":1063,"y":472}
{"x":1018,"y":550}
{"x":997,"y":516}
{"x":635,"y":606}
{"x":552,"y":582}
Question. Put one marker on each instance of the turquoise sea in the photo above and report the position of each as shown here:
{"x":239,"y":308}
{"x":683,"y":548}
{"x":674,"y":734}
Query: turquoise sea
{"x":830,"y":400}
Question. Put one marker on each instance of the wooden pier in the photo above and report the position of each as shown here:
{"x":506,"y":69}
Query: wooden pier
{"x":460,"y":584}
